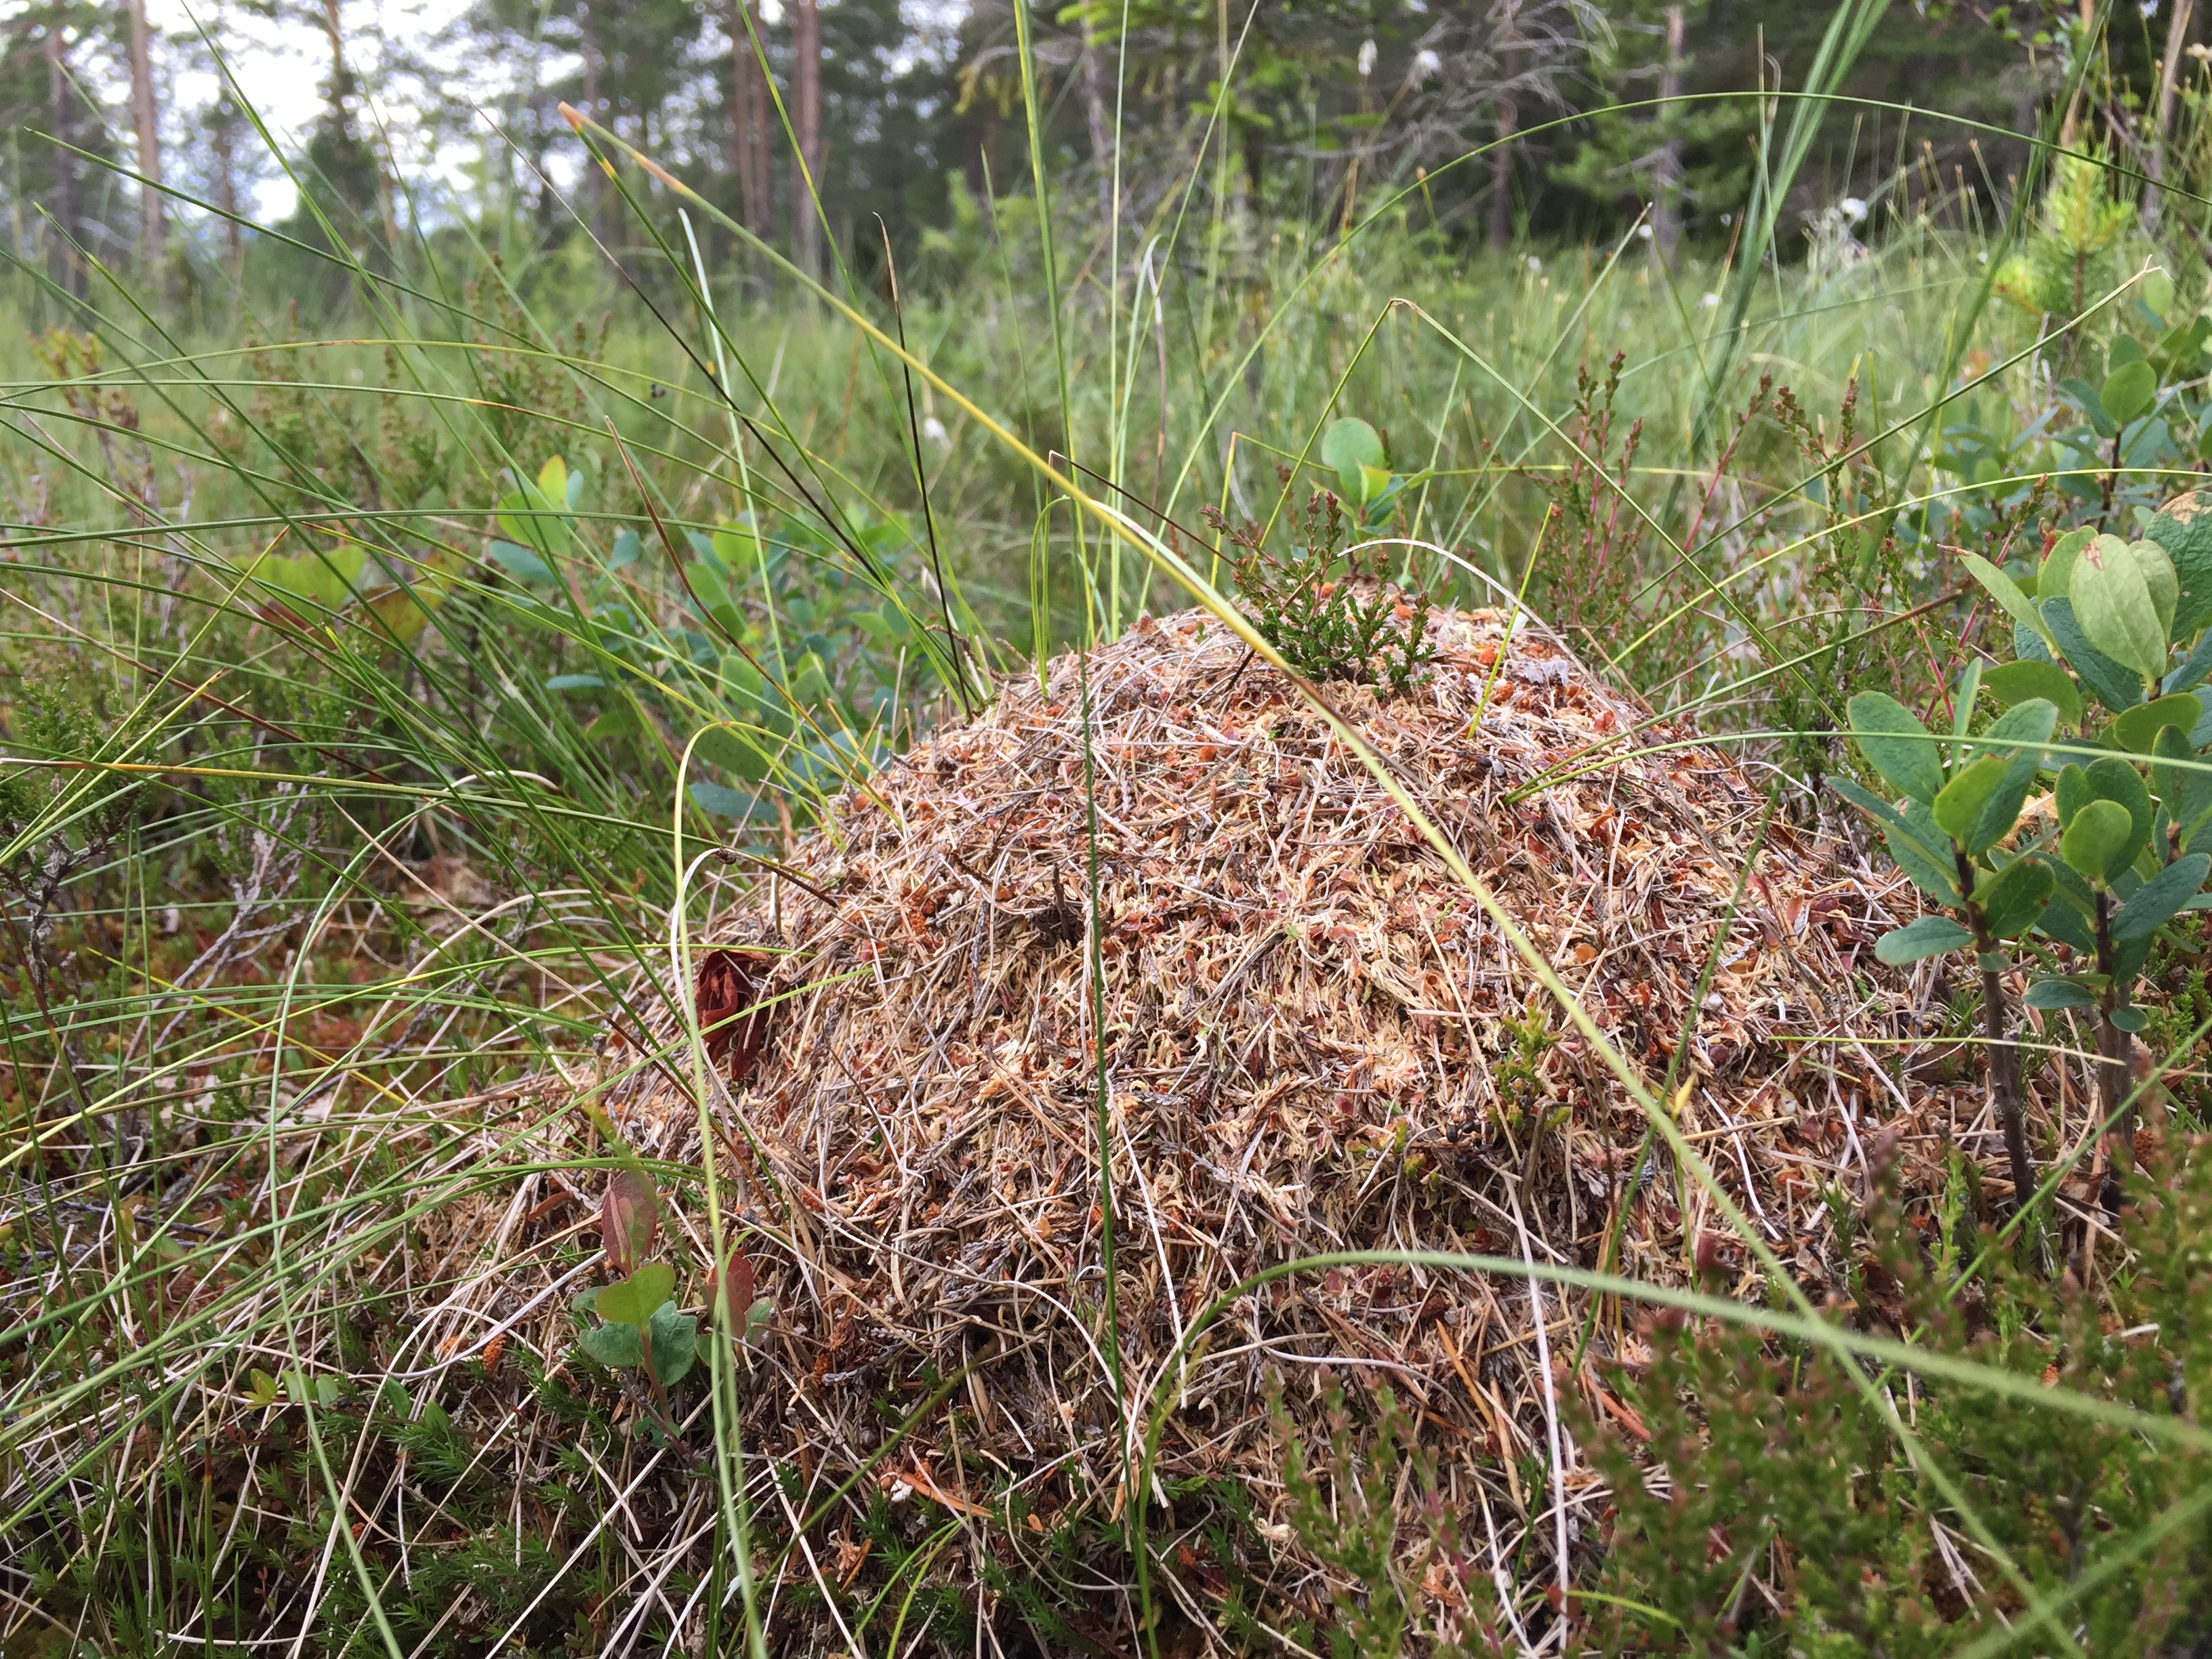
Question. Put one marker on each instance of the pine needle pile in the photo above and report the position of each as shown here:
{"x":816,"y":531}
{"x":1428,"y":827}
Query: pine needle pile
{"x":1312,"y":1041}
{"x":1206,"y":927}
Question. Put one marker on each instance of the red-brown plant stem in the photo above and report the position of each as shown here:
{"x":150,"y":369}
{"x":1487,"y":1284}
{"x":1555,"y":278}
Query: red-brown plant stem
{"x":2004,"y":1056}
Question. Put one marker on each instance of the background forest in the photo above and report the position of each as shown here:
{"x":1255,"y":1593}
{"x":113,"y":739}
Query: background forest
{"x":438,"y":127}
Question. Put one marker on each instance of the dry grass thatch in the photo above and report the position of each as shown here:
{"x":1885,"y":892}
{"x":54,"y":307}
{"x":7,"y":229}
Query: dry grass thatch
{"x":1313,"y":1042}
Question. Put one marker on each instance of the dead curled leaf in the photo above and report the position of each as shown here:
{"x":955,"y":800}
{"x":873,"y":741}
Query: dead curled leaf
{"x":726,"y":992}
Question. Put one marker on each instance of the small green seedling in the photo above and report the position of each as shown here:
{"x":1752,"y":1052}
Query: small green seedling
{"x":640,"y":1326}
{"x":1355,"y":450}
{"x":1947,"y":838}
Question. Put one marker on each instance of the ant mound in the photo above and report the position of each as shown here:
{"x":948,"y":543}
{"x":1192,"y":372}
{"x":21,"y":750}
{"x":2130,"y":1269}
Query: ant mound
{"x":1064,"y":1030}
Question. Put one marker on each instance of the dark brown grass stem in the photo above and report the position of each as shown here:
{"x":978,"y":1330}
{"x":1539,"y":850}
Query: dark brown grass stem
{"x":1997,"y":1023}
{"x":2114,"y":1054}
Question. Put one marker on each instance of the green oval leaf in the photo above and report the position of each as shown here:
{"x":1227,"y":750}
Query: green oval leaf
{"x":2095,"y":840}
{"x":2008,"y":594}
{"x":2012,"y":683}
{"x":2129,"y":392}
{"x":1897,"y":746}
{"x":614,"y":1345}
{"x":1351,"y":444}
{"x":631,"y":1300}
{"x":2115,"y":779}
{"x":673,"y":1337}
{"x":1957,"y":807}
{"x":1930,"y":936}
{"x":2158,"y":576}
{"x":2183,"y":528}
{"x":2112,"y":602}
{"x":2050,"y":995}
{"x":2158,"y":900}
{"x":2138,"y":728}
{"x":2015,"y":901}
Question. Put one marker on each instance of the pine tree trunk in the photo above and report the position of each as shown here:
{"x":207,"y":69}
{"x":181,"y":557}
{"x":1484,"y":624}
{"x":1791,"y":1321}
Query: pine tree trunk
{"x":806,"y":177}
{"x":63,"y":197}
{"x":1667,"y":174}
{"x":1509,"y":120}
{"x":2176,"y":36}
{"x":748,"y":123}
{"x":1094,"y":115}
{"x":142,"y":115}
{"x":223,"y":138}
{"x":588,"y":44}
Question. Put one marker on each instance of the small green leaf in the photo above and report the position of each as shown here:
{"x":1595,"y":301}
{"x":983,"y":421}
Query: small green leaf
{"x":2093,"y":406}
{"x":2157,"y":901}
{"x":614,"y":1345}
{"x":673,"y":1337}
{"x":1924,"y":852}
{"x":2138,"y":728}
{"x":1897,"y":746}
{"x":1930,"y":936}
{"x":1880,"y":810}
{"x":2097,"y":839}
{"x":2016,"y":740}
{"x":264,"y":1386}
{"x":2051,"y":994}
{"x":2129,"y":392}
{"x":628,"y":549}
{"x":2127,"y":1019}
{"x":631,"y":1300}
{"x":2008,"y":594}
{"x":2015,"y":901}
{"x":2012,"y":683}
{"x":522,"y":563}
{"x":2113,"y":779}
{"x":2113,"y":604}
{"x":2184,"y":781}
{"x":1351,"y":444}
{"x":2117,"y":687}
{"x":1959,"y":807}
{"x":2057,"y":570}
{"x":2158,"y":575}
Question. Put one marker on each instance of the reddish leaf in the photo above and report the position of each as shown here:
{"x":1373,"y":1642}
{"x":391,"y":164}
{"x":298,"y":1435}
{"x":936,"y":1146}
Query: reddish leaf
{"x":736,"y":1288}
{"x":629,"y":1219}
{"x":729,"y":985}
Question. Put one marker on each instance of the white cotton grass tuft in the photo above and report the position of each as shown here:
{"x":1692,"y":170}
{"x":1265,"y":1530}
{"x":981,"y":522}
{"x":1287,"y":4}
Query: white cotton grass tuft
{"x":1710,"y":302}
{"x":933,"y":432}
{"x":1644,"y":231}
{"x":1426,"y":66}
{"x":1536,"y":266}
{"x":1366,"y":59}
{"x":1854,"y":210}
